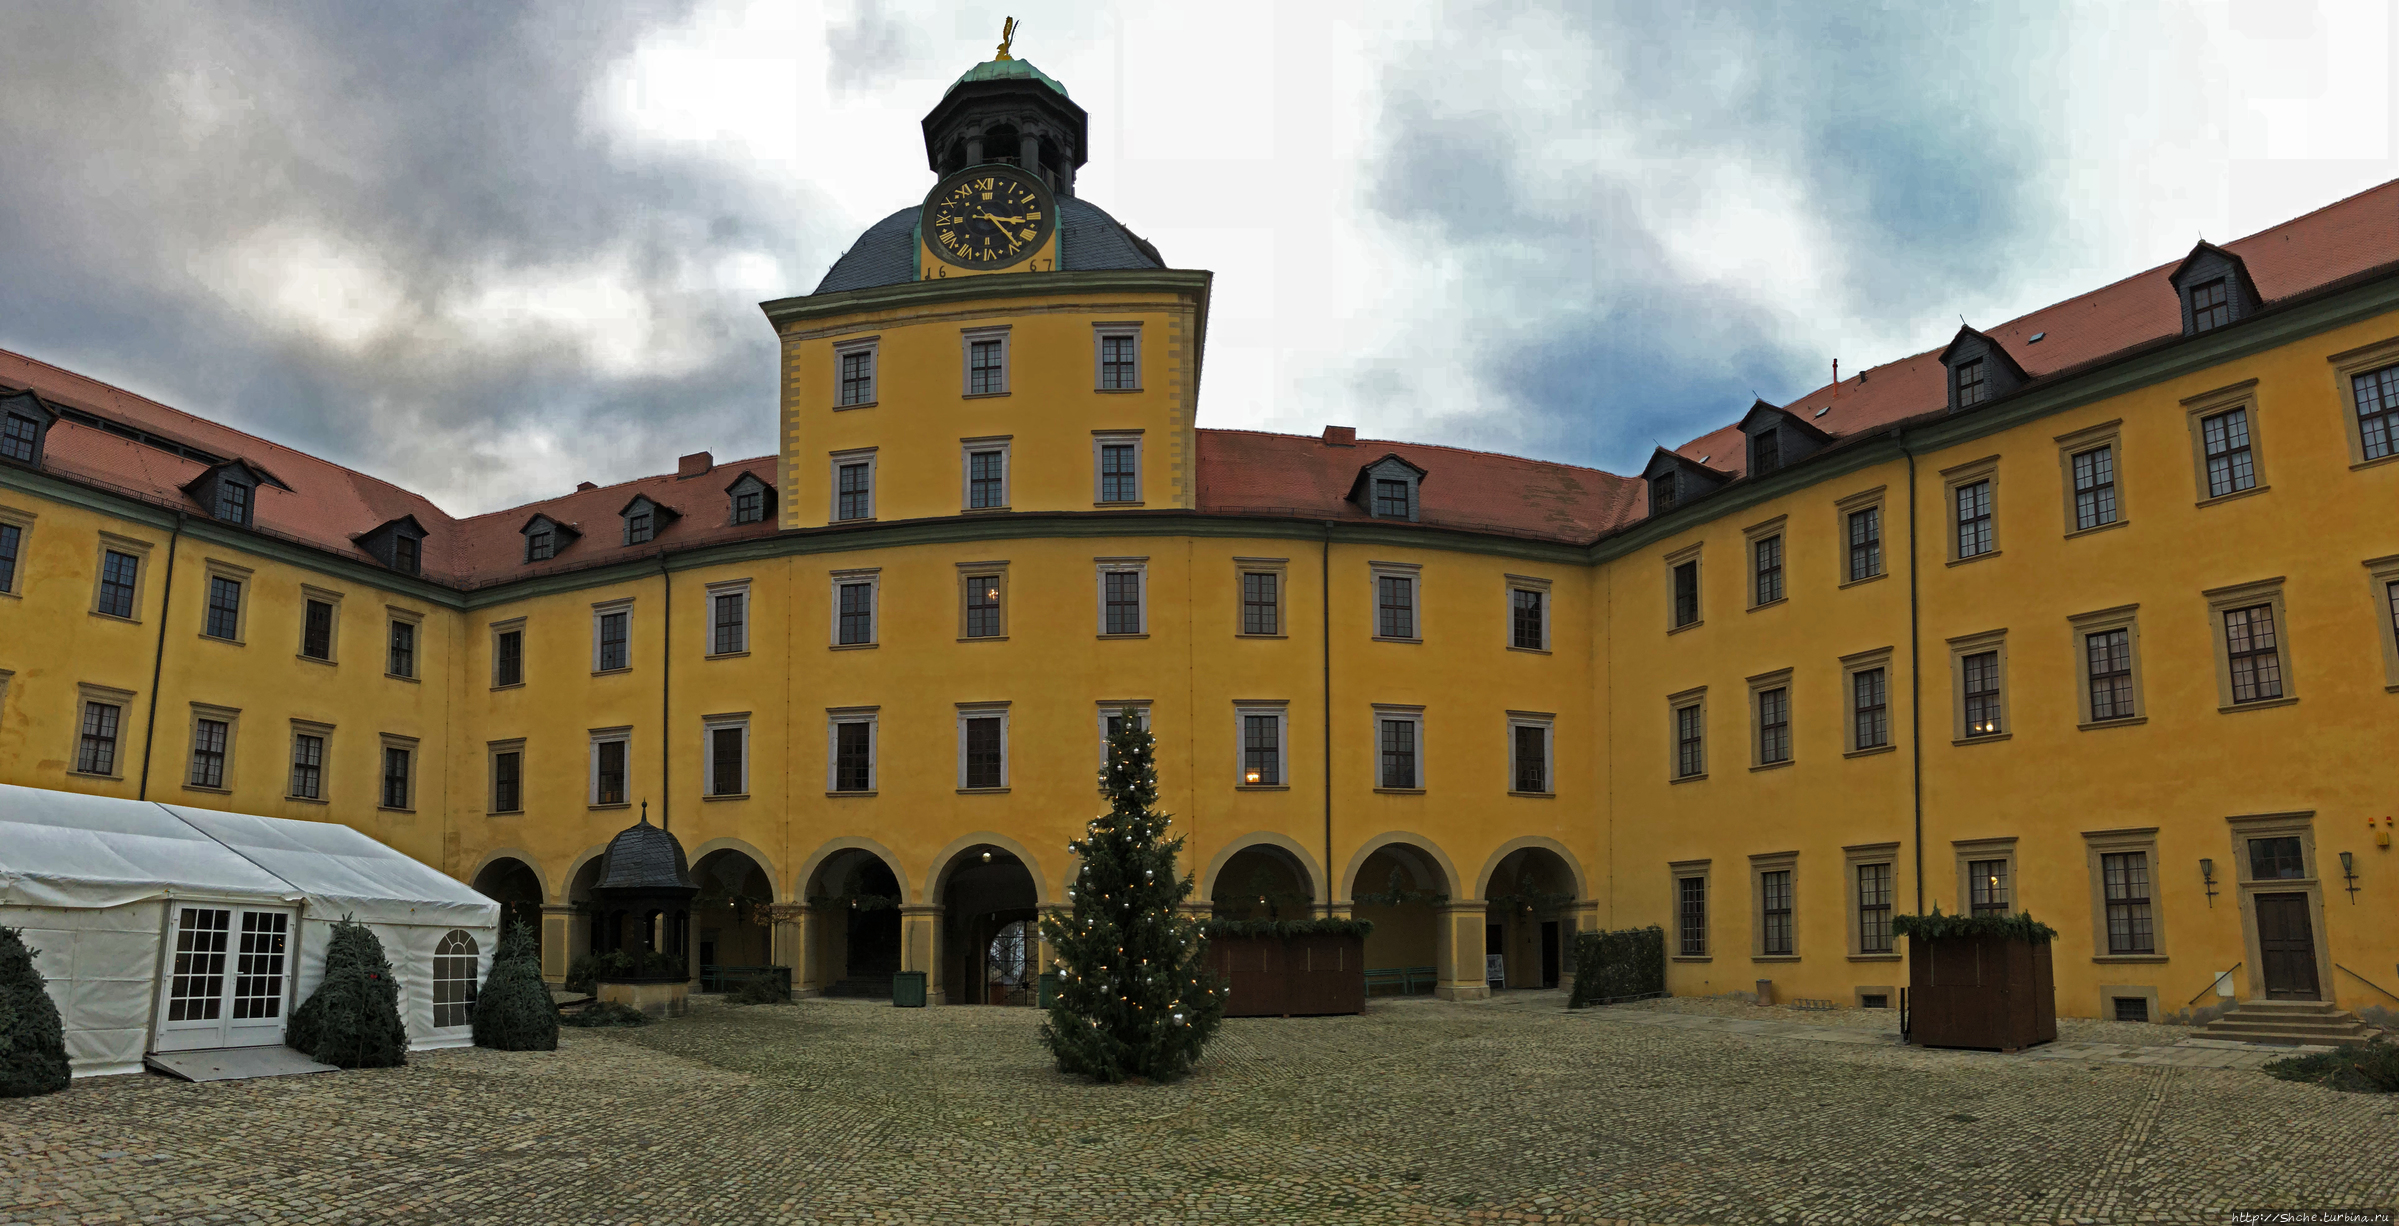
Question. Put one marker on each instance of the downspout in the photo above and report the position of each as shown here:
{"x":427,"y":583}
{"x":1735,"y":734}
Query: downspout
{"x":1324,"y":608}
{"x":666,"y":679}
{"x":1915,"y":672}
{"x":158,"y":660}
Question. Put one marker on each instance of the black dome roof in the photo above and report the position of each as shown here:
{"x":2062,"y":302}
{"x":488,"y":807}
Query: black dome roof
{"x":1087,"y":238}
{"x":644,"y":857}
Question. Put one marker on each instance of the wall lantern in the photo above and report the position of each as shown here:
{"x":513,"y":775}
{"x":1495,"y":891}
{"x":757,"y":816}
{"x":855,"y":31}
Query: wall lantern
{"x":2349,"y":874}
{"x":2207,"y":873}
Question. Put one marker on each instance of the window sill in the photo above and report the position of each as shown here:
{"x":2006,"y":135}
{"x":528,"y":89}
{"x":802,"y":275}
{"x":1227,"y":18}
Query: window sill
{"x":1983,"y":740}
{"x":1976,"y":558}
{"x":1779,"y":600}
{"x":307,"y":800}
{"x":1774,"y":957}
{"x":982,"y":510}
{"x":2129,"y":721}
{"x":305,"y":658}
{"x":2095,"y":530}
{"x":2130,"y":958}
{"x":1698,"y":778}
{"x":611,"y":672}
{"x":1690,"y":625}
{"x":1118,"y":505}
{"x":851,"y":646}
{"x":505,"y":813}
{"x":2376,"y":462}
{"x":847,"y":795}
{"x":1389,"y":638}
{"x":392,"y":809}
{"x":194,"y":787}
{"x":988,"y":638}
{"x":618,"y":805}
{"x":1771,"y":766}
{"x":1261,"y":787}
{"x":980,"y":395}
{"x":1868,"y":579}
{"x":212,"y":638}
{"x":1691,"y":958}
{"x":728,"y":655}
{"x":111,"y":617}
{"x":1121,"y":636}
{"x":1536,"y":795}
{"x":1116,"y":391}
{"x":513,"y":685}
{"x":1246,"y":635}
{"x":858,"y":519}
{"x":2284,"y":701}
{"x":981,"y":791}
{"x":844,"y":408}
{"x":2235,"y":496}
{"x":1870,"y":751}
{"x":1874,"y":957}
{"x":726,"y":796}
{"x":1530,"y":651}
{"x":1400,"y":791}
{"x":398,"y":677}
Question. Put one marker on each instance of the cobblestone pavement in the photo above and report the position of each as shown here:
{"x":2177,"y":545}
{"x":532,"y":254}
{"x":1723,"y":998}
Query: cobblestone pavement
{"x":1417,"y":1112}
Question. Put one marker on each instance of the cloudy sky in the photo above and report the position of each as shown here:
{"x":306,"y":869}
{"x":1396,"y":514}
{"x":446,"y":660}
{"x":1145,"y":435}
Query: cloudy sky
{"x":490,"y":250}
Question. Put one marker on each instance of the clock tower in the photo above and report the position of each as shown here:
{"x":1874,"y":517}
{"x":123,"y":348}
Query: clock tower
{"x":1006,"y":141}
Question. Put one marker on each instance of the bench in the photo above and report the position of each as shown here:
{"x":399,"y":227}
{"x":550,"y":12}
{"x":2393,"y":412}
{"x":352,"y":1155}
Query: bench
{"x":1405,"y":978}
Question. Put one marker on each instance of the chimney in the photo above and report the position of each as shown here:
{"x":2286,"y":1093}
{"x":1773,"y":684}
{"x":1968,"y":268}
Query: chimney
{"x":581,"y":486}
{"x":696,"y":464}
{"x":1340,"y":436}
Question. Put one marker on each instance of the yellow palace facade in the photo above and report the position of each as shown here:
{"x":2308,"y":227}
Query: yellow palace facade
{"x":2093,"y":614}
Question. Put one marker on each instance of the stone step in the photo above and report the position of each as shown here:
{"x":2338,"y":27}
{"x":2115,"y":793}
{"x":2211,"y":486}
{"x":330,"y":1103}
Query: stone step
{"x":2353,"y":1030}
{"x":2288,"y":1007}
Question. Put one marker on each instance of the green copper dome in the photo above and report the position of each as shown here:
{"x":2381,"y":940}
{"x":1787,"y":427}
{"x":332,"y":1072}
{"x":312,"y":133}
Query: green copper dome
{"x":1009,"y":70}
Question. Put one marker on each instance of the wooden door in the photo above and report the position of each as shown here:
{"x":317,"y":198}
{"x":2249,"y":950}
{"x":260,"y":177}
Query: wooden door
{"x":2286,"y":946}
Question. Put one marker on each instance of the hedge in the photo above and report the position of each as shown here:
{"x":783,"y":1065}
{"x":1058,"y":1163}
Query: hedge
{"x":1627,"y":964}
{"x":1940,"y":927}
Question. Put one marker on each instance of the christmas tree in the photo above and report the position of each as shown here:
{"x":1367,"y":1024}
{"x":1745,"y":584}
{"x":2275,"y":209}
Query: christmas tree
{"x":352,"y":1020}
{"x":1135,"y":997}
{"x":33,"y":1046}
{"x":514,"y":1011}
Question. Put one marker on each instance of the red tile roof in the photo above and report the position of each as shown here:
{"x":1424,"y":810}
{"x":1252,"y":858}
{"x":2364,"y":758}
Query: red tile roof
{"x":1249,"y":472}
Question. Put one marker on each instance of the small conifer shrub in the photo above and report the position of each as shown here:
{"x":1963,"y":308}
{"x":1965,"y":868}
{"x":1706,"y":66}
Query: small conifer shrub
{"x":514,"y":1011}
{"x":352,"y":1020}
{"x":606,"y":1013}
{"x":33,"y":1045}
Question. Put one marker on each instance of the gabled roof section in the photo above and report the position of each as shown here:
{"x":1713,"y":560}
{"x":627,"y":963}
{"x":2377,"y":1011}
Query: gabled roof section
{"x":1251,"y":472}
{"x":543,"y":520}
{"x":1664,"y":461}
{"x":1762,"y":415}
{"x":2199,"y":259}
{"x":749,"y":478}
{"x":405,"y":521}
{"x":1357,"y":484}
{"x":642,"y":500}
{"x":1969,"y":342}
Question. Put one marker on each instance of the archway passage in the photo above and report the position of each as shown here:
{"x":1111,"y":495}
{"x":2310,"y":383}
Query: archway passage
{"x":1262,"y":882}
{"x":1400,"y":889}
{"x":514,"y":885}
{"x":1528,"y":922}
{"x":591,"y":932}
{"x":730,"y":915}
{"x":855,"y":898}
{"x":989,"y":935}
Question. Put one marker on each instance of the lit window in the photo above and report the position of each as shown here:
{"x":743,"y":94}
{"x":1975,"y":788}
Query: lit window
{"x":1262,"y":750}
{"x":1982,"y":693}
{"x":982,"y":606}
{"x":1986,"y":887}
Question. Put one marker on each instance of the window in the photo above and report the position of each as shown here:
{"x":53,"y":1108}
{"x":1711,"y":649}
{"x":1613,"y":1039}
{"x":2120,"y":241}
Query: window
{"x":400,"y":661}
{"x":396,"y":762}
{"x":2125,"y":878}
{"x":455,"y":963}
{"x":1775,"y":912}
{"x":118,"y":573}
{"x":986,"y":479}
{"x":1390,"y":498}
{"x":316,"y":630}
{"x":728,"y":751}
{"x":1112,"y":721}
{"x":1395,"y":604}
{"x":982,"y":749}
{"x":983,"y":606}
{"x":1691,"y":916}
{"x":208,"y":753}
{"x":1120,"y":361}
{"x":2231,"y":464}
{"x":97,"y":752}
{"x":12,"y":538}
{"x":1987,"y":887}
{"x":541,"y":544}
{"x":2382,"y":575}
{"x":2094,"y":488}
{"x":2109,"y":655}
{"x":1686,"y":594}
{"x":1120,"y":472}
{"x":308,"y":765}
{"x":1661,"y":493}
{"x":1767,"y":555}
{"x":1874,"y":908}
{"x":1529,"y":745}
{"x":17,"y":437}
{"x":1528,"y":619}
{"x":1765,"y":452}
{"x":640,"y":526}
{"x":2277,"y":859}
{"x":1261,"y":602}
{"x":1980,"y":677}
{"x":1973,"y":519}
{"x":1690,"y":723}
{"x":1870,"y":708}
{"x":854,"y":489}
{"x":1970,"y":385}
{"x":612,"y":640}
{"x":2376,"y":393}
{"x":1397,"y":740}
{"x":2251,"y":651}
{"x":609,"y":758}
{"x":1262,"y":749}
{"x":853,"y":756}
{"x":1865,"y":543}
{"x":508,"y":658}
{"x":987,"y":366}
{"x":2211,"y":305}
{"x":1120,"y":602}
{"x":728,"y":620}
{"x":749,"y":505}
{"x":2130,"y":1008}
{"x":857,"y":373}
{"x":1774,"y":726}
{"x":233,"y":502}
{"x":224,"y":608}
{"x":406,"y":555}
{"x":508,"y":780}
{"x":854,"y":609}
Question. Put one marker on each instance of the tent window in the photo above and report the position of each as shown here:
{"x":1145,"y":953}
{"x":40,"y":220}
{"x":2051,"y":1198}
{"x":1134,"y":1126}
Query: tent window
{"x":454,"y":979}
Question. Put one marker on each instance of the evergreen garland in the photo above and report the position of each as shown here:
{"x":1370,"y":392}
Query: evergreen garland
{"x":1135,"y":996}
{"x":1286,"y":929}
{"x":514,"y":1011}
{"x":33,"y":1044}
{"x":352,"y":1020}
{"x":1939,"y":927}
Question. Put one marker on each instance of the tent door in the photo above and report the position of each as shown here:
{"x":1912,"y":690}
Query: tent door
{"x":228,"y":978}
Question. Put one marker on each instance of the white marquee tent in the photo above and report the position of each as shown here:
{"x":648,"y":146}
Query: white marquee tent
{"x":162,"y":928}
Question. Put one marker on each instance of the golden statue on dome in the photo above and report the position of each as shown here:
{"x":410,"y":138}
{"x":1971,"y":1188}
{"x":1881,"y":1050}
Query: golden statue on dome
{"x":1007,"y":36}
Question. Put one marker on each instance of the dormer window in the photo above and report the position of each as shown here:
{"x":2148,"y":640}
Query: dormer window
{"x":2211,"y":305}
{"x":1391,"y":499}
{"x":407,"y":555}
{"x":637,"y":528}
{"x":1661,"y":493}
{"x":1765,"y":452}
{"x":541,"y":544}
{"x":2215,"y":289}
{"x":19,"y":438}
{"x":233,"y":502}
{"x":1971,"y":390}
{"x":1388,"y":488}
{"x":748,"y":499}
{"x":398,"y":544}
{"x":645,"y":519}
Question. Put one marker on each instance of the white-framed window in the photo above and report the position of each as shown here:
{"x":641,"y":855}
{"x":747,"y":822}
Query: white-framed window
{"x":213,"y":729}
{"x":1528,"y":613}
{"x":856,"y":597}
{"x":1261,"y":746}
{"x":399,"y":772}
{"x":1123,"y":591}
{"x":854,"y":372}
{"x":1112,"y":716}
{"x":612,"y":636}
{"x":456,"y":968}
{"x":728,"y":618}
{"x":405,"y":627}
{"x":1398,"y":748}
{"x":1398,"y":601}
{"x":16,"y":530}
{"x":508,"y":653}
{"x":505,"y":764}
{"x":310,"y":758}
{"x":1116,"y":357}
{"x":611,"y":767}
{"x":982,"y":746}
{"x":852,"y":474}
{"x":850,"y":736}
{"x":1687,"y":726}
{"x":725,"y":754}
{"x":983,"y":473}
{"x":1532,"y":759}
{"x":984,"y":352}
{"x":1116,"y":466}
{"x":100,"y":712}
{"x":228,"y":602}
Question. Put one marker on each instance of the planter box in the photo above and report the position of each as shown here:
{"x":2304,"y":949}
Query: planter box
{"x":656,"y":997}
{"x":1988,"y":992}
{"x":908,"y":990}
{"x":1300,"y":976}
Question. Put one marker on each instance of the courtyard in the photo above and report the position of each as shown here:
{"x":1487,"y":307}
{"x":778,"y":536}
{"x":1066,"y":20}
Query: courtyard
{"x":1514,"y":1109}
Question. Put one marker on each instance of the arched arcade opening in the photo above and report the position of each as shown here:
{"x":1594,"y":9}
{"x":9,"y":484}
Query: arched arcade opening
{"x":1528,"y":920}
{"x":1400,"y":888}
{"x":514,"y":885}
{"x":1262,"y":881}
{"x":990,"y":929}
{"x":731,"y":917}
{"x":854,"y":926}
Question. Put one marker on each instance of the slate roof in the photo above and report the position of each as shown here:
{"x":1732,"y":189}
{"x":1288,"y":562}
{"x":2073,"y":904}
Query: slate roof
{"x":1088,"y":238}
{"x":644,"y":857}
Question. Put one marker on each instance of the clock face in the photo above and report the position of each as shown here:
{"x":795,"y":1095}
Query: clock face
{"x":988,"y":217}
